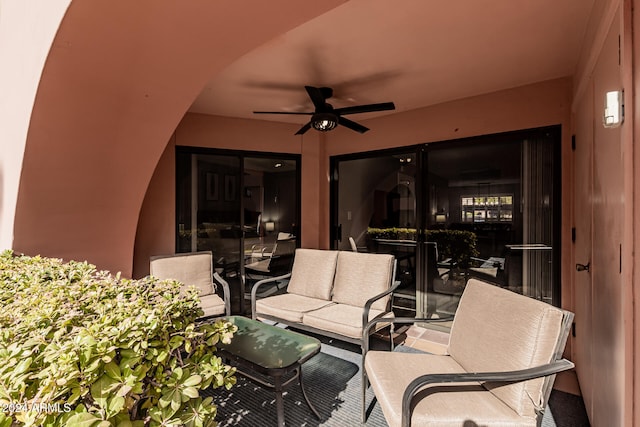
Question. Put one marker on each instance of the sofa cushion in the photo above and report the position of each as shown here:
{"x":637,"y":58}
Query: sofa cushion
{"x":289,"y":307}
{"x":391,"y":372}
{"x":361,"y":276}
{"x":526,"y":337}
{"x":341,"y":319}
{"x":192,"y":269}
{"x":312,"y":273}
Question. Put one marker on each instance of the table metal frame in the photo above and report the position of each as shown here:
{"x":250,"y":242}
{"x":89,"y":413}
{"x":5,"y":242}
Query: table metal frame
{"x":279,"y":374}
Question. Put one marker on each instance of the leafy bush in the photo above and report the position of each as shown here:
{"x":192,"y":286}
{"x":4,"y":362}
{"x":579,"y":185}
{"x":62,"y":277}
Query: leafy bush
{"x":459,"y":245}
{"x":79,"y":347}
{"x":392,"y":233}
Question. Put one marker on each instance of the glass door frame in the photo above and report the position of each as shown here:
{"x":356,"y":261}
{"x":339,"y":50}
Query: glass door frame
{"x":420,"y":187}
{"x":240,"y":155}
{"x":522,"y":134}
{"x":422,"y":184}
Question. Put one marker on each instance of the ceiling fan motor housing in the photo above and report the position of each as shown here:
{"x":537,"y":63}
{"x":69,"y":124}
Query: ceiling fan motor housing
{"x":326,"y":118}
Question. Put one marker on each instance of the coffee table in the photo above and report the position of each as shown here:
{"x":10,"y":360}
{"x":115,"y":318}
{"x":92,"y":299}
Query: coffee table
{"x":273,"y":352}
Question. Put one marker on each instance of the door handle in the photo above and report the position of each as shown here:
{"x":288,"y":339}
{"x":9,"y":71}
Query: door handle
{"x":583,"y":267}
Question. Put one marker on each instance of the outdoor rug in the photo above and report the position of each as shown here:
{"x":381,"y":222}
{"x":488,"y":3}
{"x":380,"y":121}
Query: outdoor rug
{"x":332,"y":381}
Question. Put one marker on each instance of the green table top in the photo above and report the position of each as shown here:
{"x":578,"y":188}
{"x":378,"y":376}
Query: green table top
{"x":268,"y":346}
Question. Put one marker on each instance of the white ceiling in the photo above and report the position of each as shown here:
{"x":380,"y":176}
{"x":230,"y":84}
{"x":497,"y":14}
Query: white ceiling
{"x":412,"y":52}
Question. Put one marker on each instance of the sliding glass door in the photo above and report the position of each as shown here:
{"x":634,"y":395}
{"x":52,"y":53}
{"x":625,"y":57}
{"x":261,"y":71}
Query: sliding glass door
{"x":484,"y":207}
{"x":237,"y":205}
{"x":376,"y":207}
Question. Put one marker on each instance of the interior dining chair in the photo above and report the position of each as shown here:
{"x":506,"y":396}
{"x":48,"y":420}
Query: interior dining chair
{"x":352,"y":242}
{"x":275,"y":263}
{"x":195,"y":269}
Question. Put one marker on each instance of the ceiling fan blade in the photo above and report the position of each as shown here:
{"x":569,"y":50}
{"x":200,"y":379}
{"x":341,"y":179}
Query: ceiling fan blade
{"x":352,"y":125}
{"x":283,"y":112}
{"x":303,"y":129}
{"x":315,"y":93}
{"x":368,"y":108}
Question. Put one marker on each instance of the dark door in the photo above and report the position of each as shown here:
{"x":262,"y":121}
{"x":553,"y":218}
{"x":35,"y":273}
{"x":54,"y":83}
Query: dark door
{"x":237,"y":205}
{"x":484,"y":207}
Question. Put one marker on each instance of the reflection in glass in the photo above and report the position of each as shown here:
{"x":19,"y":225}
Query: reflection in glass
{"x":377,"y":208}
{"x":236,"y":207}
{"x":464,"y":209}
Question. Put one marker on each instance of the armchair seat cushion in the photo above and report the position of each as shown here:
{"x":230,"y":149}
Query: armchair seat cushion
{"x":343,"y":319}
{"x":190,"y":269}
{"x":212,"y":305}
{"x":289,"y":307}
{"x":391,"y":372}
{"x":194,"y":270}
{"x":526,"y":338}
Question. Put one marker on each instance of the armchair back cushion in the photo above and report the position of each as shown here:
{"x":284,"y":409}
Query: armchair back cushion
{"x":361,"y":276}
{"x":193,"y":269}
{"x":524,"y":330}
{"x":312,"y":273}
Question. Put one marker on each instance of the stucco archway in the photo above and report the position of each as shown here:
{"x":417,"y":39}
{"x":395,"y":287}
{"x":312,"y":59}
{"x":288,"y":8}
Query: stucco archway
{"x":118,"y":79}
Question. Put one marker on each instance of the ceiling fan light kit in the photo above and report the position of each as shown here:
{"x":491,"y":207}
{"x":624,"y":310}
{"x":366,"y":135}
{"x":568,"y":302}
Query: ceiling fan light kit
{"x":324,"y":121}
{"x":326,"y":118}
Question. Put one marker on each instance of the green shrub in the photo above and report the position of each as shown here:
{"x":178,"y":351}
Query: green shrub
{"x":459,"y":245}
{"x":79,"y":347}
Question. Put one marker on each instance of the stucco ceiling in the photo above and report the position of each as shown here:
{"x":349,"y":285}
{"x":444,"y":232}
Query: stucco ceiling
{"x":415,"y":53}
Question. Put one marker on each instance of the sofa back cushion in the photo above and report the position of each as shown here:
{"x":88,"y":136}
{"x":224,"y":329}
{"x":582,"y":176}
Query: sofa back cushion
{"x":191,"y":269}
{"x":312,"y":273}
{"x":495,"y":329}
{"x":361,"y":276}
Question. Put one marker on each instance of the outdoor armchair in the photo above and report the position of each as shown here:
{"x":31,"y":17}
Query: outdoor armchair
{"x":504,"y":351}
{"x":195,"y":269}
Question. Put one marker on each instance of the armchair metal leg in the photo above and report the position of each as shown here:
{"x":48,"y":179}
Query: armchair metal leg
{"x":364,"y":395}
{"x":391,"y":330}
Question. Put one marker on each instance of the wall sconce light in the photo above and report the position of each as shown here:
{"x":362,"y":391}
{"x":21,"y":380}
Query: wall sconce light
{"x":270,"y":226}
{"x":613,"y":109}
{"x":440,"y":216}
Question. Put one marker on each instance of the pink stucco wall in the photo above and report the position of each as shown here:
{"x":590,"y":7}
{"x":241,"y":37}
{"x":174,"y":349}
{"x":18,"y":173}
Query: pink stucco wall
{"x":108,"y":102}
{"x":632,"y":81}
{"x":606,"y":308}
{"x":98,"y":154}
{"x":537,"y":105}
{"x":27,"y":30}
{"x":155,"y":234}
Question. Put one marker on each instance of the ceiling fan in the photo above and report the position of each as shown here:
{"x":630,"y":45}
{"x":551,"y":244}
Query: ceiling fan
{"x":326,"y":118}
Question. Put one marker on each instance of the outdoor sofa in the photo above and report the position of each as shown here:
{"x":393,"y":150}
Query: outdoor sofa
{"x":332,"y":293}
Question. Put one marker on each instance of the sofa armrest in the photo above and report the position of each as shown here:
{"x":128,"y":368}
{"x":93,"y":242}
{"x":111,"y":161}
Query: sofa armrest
{"x":508,"y":377}
{"x":365,"y":345}
{"x":366,"y":331}
{"x":254,"y":290}
{"x":369,"y":303}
